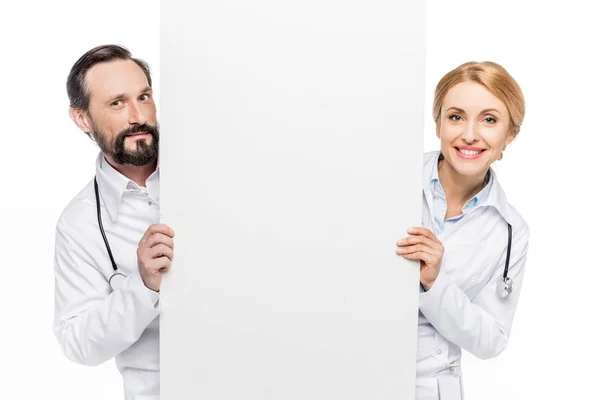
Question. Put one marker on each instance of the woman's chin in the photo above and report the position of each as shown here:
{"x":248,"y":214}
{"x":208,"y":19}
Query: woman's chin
{"x":470,"y":168}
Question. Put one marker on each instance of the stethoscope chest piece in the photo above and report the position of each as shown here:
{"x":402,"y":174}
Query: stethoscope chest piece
{"x":116,"y":280}
{"x":505,"y":287}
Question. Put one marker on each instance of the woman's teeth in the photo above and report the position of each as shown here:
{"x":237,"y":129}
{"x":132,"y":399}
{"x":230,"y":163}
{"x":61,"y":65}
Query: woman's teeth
{"x":470,"y":152}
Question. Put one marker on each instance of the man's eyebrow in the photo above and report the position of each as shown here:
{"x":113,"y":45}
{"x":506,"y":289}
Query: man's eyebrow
{"x":147,"y":89}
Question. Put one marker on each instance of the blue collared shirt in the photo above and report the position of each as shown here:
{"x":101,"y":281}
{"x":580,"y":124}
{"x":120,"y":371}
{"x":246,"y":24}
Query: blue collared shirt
{"x":440,"y":206}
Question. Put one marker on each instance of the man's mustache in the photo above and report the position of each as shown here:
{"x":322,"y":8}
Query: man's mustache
{"x":138,"y":129}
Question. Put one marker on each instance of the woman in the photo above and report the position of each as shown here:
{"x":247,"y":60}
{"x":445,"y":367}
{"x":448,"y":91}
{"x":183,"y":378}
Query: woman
{"x":467,"y":221}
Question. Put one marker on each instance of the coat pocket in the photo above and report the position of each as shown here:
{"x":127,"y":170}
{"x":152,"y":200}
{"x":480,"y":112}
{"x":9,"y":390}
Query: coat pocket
{"x":427,"y":389}
{"x":469,"y":264}
{"x":450,"y":387}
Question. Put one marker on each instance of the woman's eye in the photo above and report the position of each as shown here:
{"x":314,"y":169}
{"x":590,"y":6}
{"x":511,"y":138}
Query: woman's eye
{"x":490,"y":120}
{"x":455,"y":117}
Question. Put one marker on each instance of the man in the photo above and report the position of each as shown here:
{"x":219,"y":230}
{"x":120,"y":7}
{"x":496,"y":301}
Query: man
{"x":110,"y":95}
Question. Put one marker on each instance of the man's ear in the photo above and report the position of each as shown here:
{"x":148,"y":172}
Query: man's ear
{"x":81,"y":119}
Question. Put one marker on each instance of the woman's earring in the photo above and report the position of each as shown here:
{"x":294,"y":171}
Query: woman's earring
{"x":502,"y":153}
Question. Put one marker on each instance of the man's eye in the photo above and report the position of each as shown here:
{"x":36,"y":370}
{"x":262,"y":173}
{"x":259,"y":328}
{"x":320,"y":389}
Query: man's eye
{"x":145,"y":97}
{"x":115,"y":103}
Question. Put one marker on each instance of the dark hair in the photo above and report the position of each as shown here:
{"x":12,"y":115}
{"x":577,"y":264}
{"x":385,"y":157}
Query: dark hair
{"x":79,"y":97}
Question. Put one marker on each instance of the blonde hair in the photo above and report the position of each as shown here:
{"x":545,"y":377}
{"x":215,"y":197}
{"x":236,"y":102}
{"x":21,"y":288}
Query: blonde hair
{"x":491,"y":76}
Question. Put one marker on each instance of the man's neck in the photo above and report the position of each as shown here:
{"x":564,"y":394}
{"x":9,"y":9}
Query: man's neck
{"x":137,"y":174}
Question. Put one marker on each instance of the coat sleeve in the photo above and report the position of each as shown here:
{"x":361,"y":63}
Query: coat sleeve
{"x":91,"y":322}
{"x":481,"y":326}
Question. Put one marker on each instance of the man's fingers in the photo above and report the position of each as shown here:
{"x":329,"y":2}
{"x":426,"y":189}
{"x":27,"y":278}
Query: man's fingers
{"x":161,"y":228}
{"x":159,"y":264}
{"x":161,"y":250}
{"x":165,"y":264}
{"x":157,"y":228}
{"x":157,"y":239}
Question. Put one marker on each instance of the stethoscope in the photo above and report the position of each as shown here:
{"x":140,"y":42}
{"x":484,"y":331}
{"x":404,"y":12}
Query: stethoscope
{"x":505,"y":285}
{"x":116,"y":279}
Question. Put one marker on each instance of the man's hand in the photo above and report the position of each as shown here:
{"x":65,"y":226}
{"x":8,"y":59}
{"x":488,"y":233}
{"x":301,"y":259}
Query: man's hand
{"x":155,"y":254}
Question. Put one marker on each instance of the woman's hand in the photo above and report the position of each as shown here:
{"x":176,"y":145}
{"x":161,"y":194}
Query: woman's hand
{"x":423,"y":245}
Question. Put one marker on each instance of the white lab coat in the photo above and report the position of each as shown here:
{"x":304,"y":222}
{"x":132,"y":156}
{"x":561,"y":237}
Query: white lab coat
{"x":462,"y":307}
{"x":92,"y":323}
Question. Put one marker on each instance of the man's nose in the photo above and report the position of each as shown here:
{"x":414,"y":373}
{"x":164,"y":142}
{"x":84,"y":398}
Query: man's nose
{"x":136,"y":115}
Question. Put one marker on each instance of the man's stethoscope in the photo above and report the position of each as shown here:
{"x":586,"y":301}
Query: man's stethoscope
{"x":117,"y":278}
{"x":504,"y":288}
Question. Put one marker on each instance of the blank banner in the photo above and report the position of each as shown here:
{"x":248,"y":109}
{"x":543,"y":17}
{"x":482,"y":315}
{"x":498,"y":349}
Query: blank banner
{"x":291,"y":163}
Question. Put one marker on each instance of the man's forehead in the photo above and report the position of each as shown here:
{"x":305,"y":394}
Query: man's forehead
{"x":115,"y":77}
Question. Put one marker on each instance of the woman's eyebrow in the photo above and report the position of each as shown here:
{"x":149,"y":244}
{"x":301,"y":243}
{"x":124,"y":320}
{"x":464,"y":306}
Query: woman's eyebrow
{"x":487,"y":110}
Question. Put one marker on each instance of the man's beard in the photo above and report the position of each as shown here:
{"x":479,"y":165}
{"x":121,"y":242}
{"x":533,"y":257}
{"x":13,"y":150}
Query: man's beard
{"x":144,"y":153}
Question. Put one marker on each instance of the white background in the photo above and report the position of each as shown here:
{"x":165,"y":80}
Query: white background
{"x":549,"y":174}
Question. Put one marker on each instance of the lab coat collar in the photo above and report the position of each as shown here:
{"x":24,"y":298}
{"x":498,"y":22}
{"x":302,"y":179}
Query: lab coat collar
{"x":496,"y":197}
{"x":112,"y":184}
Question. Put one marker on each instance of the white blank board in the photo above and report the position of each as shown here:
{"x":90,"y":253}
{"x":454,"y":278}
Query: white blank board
{"x":291,"y":159}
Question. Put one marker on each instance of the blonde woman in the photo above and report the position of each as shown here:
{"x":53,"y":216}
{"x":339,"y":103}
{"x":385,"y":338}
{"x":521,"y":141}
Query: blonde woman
{"x":473,"y":244}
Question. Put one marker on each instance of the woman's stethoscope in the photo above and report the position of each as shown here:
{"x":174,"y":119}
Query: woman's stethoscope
{"x":504,"y":288}
{"x":117,"y":278}
{"x":505,"y":285}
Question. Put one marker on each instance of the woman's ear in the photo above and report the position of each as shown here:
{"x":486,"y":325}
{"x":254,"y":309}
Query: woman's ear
{"x":509,"y":138}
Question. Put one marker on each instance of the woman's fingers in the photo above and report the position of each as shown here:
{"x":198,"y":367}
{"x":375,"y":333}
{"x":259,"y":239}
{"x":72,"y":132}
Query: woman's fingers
{"x":419,"y":230}
{"x":414,"y":248}
{"x":420,"y":239}
{"x":427,"y":258}
{"x":428,"y":255}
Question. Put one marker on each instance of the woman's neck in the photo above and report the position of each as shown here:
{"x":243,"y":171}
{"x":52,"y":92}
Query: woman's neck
{"x":458,"y":188}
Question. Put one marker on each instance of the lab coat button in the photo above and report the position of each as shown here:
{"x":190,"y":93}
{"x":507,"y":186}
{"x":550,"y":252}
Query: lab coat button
{"x":451,"y":369}
{"x":439,"y":351}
